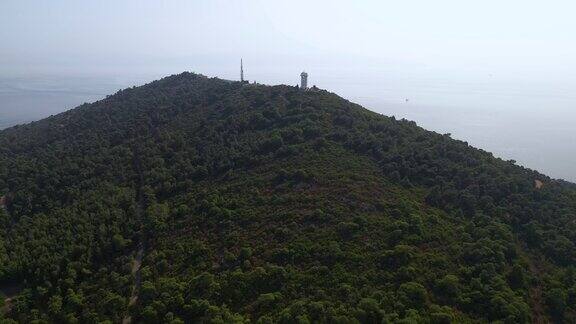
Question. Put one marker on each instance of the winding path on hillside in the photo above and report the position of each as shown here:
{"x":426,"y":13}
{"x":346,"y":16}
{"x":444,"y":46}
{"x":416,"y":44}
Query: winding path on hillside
{"x":136,"y":266}
{"x":137,"y":262}
{"x":535,"y":290}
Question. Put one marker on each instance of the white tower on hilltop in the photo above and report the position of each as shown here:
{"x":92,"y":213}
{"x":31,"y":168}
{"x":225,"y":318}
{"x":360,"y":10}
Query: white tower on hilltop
{"x":303,"y":81}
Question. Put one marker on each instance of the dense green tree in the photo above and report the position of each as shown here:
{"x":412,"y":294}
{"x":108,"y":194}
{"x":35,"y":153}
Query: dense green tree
{"x":221,"y":202}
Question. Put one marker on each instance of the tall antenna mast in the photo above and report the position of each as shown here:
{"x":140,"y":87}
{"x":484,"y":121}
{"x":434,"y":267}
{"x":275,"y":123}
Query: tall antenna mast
{"x":241,"y":71}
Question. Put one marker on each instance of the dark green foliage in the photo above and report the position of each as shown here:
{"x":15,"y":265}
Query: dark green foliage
{"x":272,"y":205}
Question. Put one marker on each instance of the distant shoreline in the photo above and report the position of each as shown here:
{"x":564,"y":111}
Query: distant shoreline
{"x":11,"y":123}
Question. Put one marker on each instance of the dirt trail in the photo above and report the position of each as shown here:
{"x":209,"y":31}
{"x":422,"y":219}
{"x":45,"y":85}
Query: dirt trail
{"x":535,"y":292}
{"x":137,"y":262}
{"x":136,"y":266}
{"x":537,"y":308}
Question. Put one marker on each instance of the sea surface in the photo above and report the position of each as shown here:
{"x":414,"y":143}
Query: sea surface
{"x":531,"y":123}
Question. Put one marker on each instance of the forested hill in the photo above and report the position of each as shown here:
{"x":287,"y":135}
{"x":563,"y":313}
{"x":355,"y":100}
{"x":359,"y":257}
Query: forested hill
{"x":267,"y":204}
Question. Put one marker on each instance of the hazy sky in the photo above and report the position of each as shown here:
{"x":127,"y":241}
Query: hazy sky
{"x":513,"y":36}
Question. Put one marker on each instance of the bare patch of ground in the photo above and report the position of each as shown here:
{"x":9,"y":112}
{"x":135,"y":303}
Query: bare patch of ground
{"x":9,"y":292}
{"x":538,"y":184}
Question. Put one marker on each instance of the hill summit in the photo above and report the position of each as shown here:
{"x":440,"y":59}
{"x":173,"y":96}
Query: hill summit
{"x":200,"y":200}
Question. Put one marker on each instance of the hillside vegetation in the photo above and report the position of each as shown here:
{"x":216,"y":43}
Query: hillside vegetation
{"x":266,"y":204}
